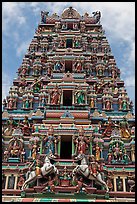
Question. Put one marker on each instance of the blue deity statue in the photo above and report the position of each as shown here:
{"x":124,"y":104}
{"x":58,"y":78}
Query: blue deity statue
{"x":49,"y":145}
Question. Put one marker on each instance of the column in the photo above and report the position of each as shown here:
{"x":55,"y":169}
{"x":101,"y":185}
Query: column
{"x":73,"y":147}
{"x":90,"y":147}
{"x":15,"y":184}
{"x":101,"y":153}
{"x":6,"y":183}
{"x":132,"y":154}
{"x":124,"y":185}
{"x":115,"y":185}
{"x":61,"y":98}
{"x":41,"y":145}
{"x":73,"y":97}
{"x":85,"y":98}
{"x":59,"y":146}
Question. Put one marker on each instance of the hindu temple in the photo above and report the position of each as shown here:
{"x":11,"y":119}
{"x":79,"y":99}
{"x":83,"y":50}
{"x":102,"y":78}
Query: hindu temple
{"x":68,"y":125}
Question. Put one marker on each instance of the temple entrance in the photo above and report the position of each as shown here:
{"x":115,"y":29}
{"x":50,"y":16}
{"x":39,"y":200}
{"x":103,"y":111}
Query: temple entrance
{"x":67,"y":98}
{"x":68,"y":43}
{"x":68,"y":66}
{"x":66,"y":147}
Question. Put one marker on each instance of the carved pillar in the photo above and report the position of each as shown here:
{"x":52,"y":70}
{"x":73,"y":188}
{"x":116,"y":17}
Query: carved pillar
{"x":41,"y":142}
{"x":55,"y":146}
{"x":90,"y":147}
{"x":73,"y":147}
{"x":73,"y":97}
{"x":133,"y":153}
{"x":59,"y":138}
{"x":101,"y":153}
{"x":6,"y":182}
{"x":124,"y":185}
{"x":61,"y":98}
{"x":15,"y":184}
{"x":85,"y":98}
{"x":115,"y":184}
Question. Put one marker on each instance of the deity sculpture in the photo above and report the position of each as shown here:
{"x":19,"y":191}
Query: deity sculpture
{"x":80,"y":97}
{"x":58,"y":66}
{"x":49,"y":70}
{"x":76,"y":43}
{"x":27,"y":104}
{"x":34,"y":150}
{"x":109,"y":182}
{"x":92,"y":103}
{"x":23,"y":155}
{"x":50,"y":186}
{"x":6,"y":155}
{"x":81,"y":187}
{"x":36,"y":85}
{"x":62,"y":43}
{"x":10,"y":103}
{"x":82,"y":144}
{"x":117,"y":152}
{"x":44,"y":15}
{"x":26,"y":126}
{"x":11,"y":124}
{"x":64,"y":26}
{"x":55,"y":96}
{"x":109,"y":157}
{"x":14,"y":148}
{"x":94,"y":166}
{"x":49,"y":145}
{"x":78,"y":67}
{"x":108,"y":105}
{"x":108,"y":130}
{"x":97,"y":150}
{"x":20,"y":182}
{"x":124,"y":128}
{"x":75,"y":26}
{"x":124,"y":105}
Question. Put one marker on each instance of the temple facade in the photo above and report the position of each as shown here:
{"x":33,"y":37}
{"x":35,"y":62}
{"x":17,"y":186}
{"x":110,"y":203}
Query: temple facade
{"x":68,"y":127}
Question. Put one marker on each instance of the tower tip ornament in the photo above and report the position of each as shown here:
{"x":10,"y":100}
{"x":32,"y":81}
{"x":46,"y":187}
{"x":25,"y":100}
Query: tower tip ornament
{"x":97,"y":16}
{"x":44,"y":15}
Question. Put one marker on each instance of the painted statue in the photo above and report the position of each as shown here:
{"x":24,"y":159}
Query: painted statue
{"x":58,"y":66}
{"x":108,"y":130}
{"x":49,"y":145}
{"x":46,"y":169}
{"x":55,"y":96}
{"x":26,"y":126}
{"x":124,"y":129}
{"x":97,"y":150}
{"x":80,"y":97}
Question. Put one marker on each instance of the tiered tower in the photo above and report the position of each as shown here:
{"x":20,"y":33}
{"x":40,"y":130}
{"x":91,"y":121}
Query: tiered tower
{"x":68,"y":126}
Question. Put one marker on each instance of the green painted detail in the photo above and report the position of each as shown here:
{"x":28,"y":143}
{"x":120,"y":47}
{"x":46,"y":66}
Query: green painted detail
{"x":90,"y":147}
{"x":120,"y":169}
{"x":59,"y":148}
{"x":14,"y":167}
{"x":72,"y":147}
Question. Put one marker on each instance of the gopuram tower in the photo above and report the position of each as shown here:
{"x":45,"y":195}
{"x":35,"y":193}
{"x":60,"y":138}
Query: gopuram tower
{"x":68,"y":127}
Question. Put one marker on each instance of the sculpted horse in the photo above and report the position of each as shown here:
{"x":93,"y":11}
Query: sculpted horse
{"x":45,"y":170}
{"x":83,"y":170}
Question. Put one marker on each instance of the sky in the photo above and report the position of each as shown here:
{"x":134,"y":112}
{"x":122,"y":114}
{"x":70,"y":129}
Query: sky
{"x":20,"y":19}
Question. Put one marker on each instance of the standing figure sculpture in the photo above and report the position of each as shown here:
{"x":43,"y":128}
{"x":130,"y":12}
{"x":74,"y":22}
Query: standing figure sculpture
{"x":49,"y":145}
{"x":26,"y":126}
{"x":124,"y":128}
{"x":55,"y":96}
{"x":80,"y":97}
